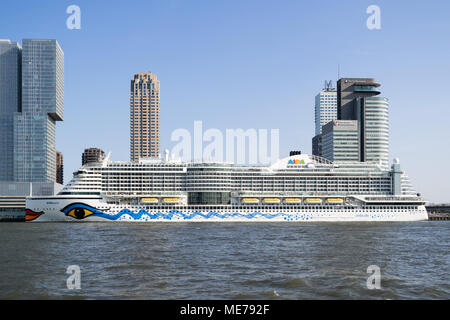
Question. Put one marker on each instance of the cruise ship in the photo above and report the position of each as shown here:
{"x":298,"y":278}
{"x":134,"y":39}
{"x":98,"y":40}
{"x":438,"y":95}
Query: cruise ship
{"x":300,"y":188}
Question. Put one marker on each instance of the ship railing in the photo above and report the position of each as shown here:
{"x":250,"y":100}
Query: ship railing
{"x":142,"y":195}
{"x":393,"y":198}
{"x":286,"y":194}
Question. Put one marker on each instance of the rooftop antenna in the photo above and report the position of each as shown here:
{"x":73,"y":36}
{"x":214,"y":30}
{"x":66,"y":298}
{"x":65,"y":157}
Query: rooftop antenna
{"x":339,"y":71}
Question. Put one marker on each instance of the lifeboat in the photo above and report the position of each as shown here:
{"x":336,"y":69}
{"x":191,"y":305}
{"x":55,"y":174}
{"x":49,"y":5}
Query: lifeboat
{"x":149,"y":200}
{"x":249,"y":200}
{"x":271,"y":200}
{"x":171,"y":200}
{"x":313,"y":200}
{"x":335,"y":200}
{"x":292,"y":200}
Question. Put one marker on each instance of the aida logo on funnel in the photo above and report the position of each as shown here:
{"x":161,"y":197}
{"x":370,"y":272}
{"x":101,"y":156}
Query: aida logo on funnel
{"x":296,"y":161}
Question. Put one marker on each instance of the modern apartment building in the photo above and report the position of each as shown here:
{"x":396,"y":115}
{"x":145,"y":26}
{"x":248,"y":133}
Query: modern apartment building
{"x":42,"y":105}
{"x":92,"y":155}
{"x":10,"y":103}
{"x":144,"y":116}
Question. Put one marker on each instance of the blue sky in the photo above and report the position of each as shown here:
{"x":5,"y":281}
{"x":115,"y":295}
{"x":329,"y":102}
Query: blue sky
{"x":248,"y":64}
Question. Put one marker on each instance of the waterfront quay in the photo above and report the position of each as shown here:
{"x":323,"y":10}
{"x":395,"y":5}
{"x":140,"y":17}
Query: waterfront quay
{"x":439,"y":212}
{"x":12,"y":208}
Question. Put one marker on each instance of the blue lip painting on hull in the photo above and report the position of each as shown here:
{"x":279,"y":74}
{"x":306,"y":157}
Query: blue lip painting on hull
{"x":187,"y":216}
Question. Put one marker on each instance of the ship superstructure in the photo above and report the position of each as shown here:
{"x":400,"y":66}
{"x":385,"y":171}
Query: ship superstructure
{"x":297,"y":188}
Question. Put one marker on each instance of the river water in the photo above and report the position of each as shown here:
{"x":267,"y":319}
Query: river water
{"x":225,"y":260}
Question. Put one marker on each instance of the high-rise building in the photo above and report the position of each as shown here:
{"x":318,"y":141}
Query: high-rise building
{"x":42,"y":106}
{"x":317,"y":145}
{"x":348,"y":90}
{"x":10,"y":96}
{"x":144,"y":116}
{"x":59,"y":168}
{"x":92,"y":155}
{"x":375,"y":138}
{"x":357,"y":100}
{"x":340,"y":140}
{"x":325,"y":108}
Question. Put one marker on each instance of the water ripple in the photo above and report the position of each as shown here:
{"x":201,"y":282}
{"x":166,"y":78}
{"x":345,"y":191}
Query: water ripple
{"x":225,"y":260}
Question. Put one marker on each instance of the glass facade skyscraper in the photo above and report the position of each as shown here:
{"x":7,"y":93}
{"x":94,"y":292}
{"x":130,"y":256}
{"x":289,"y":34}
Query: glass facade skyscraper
{"x":42,"y":106}
{"x":357,"y":99}
{"x":10,"y":87}
{"x":375,"y":138}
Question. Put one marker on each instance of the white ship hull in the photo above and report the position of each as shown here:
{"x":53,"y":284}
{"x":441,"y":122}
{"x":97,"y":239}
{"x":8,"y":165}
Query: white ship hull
{"x":54,"y":209}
